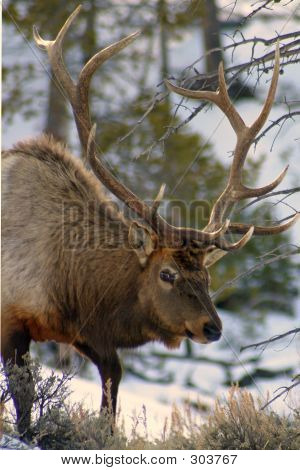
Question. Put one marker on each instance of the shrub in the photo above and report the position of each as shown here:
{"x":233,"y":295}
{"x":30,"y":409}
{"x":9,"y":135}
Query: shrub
{"x":55,"y":424}
{"x":240,"y":424}
{"x":235,"y":423}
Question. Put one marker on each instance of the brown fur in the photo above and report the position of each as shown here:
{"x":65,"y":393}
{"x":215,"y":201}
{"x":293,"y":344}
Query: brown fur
{"x":75,"y":279}
{"x":17,"y":318}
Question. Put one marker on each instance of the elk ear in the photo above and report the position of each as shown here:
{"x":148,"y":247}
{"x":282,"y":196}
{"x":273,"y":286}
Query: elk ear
{"x":211,"y":257}
{"x":142,"y":241}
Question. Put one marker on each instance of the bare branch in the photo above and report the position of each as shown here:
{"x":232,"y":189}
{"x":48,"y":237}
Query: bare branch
{"x":256,"y":10}
{"x":254,"y":41}
{"x":284,"y":390}
{"x":271,"y":340}
{"x":286,"y":52}
{"x":156,"y":100}
{"x":257,"y":266}
{"x":288,"y":192}
{"x":283,"y":118}
{"x":237,"y":70}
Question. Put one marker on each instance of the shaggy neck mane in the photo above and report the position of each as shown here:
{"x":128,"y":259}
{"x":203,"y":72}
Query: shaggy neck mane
{"x":94,"y":238}
{"x":79,"y":182}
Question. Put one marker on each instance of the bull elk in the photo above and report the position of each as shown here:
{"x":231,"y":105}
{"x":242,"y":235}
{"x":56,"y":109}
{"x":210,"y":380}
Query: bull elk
{"x":154,"y":284}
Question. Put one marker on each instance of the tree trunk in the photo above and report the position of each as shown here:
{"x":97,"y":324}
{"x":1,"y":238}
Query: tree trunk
{"x":212,"y":31}
{"x":162,"y":16}
{"x":163,"y":38}
{"x":212,"y":34}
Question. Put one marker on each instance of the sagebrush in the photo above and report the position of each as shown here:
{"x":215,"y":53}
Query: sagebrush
{"x":235,"y":423}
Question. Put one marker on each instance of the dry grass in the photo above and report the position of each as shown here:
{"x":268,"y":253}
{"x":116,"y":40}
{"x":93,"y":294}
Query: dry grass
{"x":235,"y":423}
{"x":240,"y":424}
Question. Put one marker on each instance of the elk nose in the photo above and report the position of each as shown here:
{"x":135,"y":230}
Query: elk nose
{"x":212,"y":332}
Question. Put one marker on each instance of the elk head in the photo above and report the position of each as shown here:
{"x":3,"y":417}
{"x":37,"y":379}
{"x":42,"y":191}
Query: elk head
{"x":174,"y":284}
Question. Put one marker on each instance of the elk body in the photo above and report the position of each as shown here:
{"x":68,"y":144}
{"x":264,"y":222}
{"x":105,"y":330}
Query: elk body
{"x":103,"y":281}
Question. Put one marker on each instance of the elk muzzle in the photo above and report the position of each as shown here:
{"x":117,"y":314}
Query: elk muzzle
{"x":212,"y":331}
{"x":204,"y":330}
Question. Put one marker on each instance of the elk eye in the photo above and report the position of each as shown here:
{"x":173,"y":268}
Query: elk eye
{"x":167,"y":276}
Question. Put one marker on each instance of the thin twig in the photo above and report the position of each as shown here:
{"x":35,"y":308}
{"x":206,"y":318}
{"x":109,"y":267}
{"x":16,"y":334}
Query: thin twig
{"x":288,"y":192}
{"x":285,"y":390}
{"x":271,"y":340}
{"x":212,"y":78}
{"x":260,"y":265}
{"x":255,"y":11}
{"x":284,"y":118}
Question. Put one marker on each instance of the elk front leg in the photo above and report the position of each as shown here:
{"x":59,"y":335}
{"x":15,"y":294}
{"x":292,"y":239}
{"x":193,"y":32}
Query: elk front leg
{"x":110,"y":371}
{"x":13,"y":349}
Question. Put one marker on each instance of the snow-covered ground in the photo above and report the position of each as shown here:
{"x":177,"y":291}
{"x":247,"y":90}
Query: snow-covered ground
{"x":141,"y":402}
{"x":147,"y":407}
{"x":137,"y":398}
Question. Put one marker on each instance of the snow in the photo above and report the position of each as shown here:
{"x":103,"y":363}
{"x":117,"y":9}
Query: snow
{"x":141,"y":402}
{"x":131,"y":404}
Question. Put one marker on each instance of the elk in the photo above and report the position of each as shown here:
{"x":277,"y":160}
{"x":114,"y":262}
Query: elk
{"x":152,"y":285}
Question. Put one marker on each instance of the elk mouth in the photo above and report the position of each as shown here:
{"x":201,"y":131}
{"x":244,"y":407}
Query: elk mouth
{"x":195,"y":338}
{"x":210,"y":334}
{"x":203,"y":330}
{"x":189,"y":334}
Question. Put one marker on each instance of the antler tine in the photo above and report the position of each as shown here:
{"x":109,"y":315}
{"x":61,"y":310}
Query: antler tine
{"x":246,"y":192}
{"x":225,"y":103}
{"x":220,"y":98}
{"x":158,"y":198}
{"x":78,"y":93}
{"x":54,"y":50}
{"x":86,"y":74}
{"x":199,"y":237}
{"x":44,"y":44}
{"x":235,"y":227}
{"x":194,"y":94}
{"x":260,"y":121}
{"x":224,"y":245}
{"x":101,"y":56}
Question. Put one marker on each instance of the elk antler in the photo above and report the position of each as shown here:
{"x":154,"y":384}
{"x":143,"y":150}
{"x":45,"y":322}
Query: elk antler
{"x":235,"y":189}
{"x":77,"y":94}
